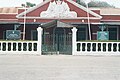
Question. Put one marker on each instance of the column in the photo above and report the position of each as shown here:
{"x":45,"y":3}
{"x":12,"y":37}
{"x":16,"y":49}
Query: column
{"x":74,"y":44}
{"x":39,"y":43}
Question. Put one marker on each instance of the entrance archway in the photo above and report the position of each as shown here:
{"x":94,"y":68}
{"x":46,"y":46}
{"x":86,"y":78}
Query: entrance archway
{"x":57,"y":38}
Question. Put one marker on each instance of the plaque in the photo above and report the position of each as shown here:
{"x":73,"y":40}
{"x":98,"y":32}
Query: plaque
{"x":102,"y":35}
{"x":13,"y":35}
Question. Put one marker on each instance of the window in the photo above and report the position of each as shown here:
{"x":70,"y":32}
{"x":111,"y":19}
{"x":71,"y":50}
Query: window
{"x":33,"y":35}
{"x":112,"y":33}
{"x":81,"y":34}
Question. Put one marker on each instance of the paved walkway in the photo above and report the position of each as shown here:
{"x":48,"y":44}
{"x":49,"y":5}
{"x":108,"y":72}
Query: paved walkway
{"x":31,"y":67}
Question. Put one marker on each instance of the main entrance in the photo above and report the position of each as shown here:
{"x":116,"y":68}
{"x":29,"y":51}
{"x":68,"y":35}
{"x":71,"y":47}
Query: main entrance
{"x":57,"y":38}
{"x":59,"y":42}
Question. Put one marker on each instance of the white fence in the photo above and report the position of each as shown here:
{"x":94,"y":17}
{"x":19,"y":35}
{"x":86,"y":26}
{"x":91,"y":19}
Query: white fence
{"x":19,"y":47}
{"x":97,"y":48}
{"x":83,"y":48}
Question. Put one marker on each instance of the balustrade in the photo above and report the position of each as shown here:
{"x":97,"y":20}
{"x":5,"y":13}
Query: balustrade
{"x":18,"y":47}
{"x":97,"y":48}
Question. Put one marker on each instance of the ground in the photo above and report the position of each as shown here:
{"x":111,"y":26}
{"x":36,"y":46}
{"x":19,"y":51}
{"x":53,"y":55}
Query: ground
{"x":59,"y":67}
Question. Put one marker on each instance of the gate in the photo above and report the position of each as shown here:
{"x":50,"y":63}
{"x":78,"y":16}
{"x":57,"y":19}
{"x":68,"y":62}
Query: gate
{"x":57,"y":44}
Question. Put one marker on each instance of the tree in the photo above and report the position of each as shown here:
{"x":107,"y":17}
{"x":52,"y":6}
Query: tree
{"x":81,"y":2}
{"x":28,"y":4}
{"x":99,"y":4}
{"x":94,"y":3}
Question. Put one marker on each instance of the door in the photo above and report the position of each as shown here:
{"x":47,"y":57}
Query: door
{"x":59,"y":39}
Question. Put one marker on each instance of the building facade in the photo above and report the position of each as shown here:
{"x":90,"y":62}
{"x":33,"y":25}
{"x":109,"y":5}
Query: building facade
{"x":57,"y":18}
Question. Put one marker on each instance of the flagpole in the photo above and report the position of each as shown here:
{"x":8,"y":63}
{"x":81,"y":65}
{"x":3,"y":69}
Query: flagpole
{"x":88,"y":17}
{"x":24,"y":29}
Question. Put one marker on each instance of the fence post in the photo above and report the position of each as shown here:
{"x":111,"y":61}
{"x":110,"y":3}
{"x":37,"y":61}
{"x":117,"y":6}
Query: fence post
{"x":74,"y":36}
{"x":39,"y":42}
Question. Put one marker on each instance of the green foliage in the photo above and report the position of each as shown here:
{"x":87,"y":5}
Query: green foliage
{"x":28,"y":4}
{"x":99,"y":4}
{"x":81,"y":2}
{"x":94,"y":3}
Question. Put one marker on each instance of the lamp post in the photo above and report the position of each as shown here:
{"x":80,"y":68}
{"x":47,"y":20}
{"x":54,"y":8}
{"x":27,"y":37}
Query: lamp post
{"x":24,"y":29}
{"x":88,"y":17}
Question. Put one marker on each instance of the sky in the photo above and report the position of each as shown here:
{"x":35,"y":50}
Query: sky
{"x":17,"y":3}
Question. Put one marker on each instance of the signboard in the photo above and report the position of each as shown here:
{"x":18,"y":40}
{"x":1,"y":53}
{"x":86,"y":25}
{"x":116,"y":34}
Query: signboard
{"x":102,"y":35}
{"x":13,"y":34}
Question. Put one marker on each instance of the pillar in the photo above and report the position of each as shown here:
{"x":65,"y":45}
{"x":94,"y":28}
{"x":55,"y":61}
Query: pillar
{"x":74,"y":44}
{"x":39,"y":44}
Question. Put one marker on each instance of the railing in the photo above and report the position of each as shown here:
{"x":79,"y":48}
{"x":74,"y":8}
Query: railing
{"x":97,"y":48}
{"x":19,"y":47}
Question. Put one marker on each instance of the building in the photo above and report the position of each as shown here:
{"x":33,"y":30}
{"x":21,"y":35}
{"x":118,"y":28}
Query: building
{"x":57,"y":19}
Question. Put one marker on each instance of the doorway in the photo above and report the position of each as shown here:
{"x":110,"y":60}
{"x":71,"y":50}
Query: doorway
{"x":59,"y":42}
